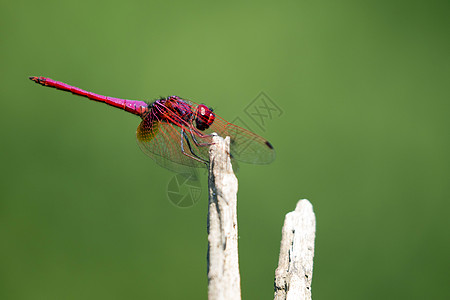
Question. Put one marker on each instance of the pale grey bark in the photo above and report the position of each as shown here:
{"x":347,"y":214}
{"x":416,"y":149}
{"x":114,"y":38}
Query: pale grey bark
{"x":295,"y":265}
{"x":223,"y":264}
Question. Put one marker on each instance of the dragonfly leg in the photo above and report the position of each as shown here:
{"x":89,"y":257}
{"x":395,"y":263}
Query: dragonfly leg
{"x":193,"y":156}
{"x":200,"y":135}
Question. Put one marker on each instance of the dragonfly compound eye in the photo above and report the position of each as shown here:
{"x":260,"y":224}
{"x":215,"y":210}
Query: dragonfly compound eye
{"x":205,"y":117}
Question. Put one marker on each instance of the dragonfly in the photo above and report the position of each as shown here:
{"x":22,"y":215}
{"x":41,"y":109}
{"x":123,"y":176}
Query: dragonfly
{"x":176,"y":132}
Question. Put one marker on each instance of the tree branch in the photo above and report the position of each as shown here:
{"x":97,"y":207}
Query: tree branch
{"x":223,"y":263}
{"x":295,"y":265}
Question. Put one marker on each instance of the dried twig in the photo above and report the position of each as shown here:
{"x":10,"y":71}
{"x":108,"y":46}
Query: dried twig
{"x":223,"y":263}
{"x":295,"y":265}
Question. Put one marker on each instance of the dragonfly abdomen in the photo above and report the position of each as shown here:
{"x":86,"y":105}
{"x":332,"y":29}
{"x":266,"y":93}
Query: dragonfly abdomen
{"x":133,"y":106}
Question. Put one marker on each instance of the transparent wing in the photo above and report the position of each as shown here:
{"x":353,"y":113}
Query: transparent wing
{"x":245,"y":146}
{"x":163,"y":142}
{"x":182,"y":146}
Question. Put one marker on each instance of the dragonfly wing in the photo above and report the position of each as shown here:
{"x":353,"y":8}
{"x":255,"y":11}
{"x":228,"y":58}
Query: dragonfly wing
{"x":245,"y":146}
{"x":162,"y":142}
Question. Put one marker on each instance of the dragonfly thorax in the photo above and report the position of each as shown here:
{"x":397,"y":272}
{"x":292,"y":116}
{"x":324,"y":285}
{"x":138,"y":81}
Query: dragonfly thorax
{"x":173,"y":109}
{"x":177,"y":111}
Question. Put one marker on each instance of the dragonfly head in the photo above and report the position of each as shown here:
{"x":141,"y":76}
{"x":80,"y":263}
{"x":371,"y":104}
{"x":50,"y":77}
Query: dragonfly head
{"x":204,"y":117}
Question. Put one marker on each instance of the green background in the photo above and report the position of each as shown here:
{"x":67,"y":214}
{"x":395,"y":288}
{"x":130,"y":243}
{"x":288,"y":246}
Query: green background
{"x":364,"y":135}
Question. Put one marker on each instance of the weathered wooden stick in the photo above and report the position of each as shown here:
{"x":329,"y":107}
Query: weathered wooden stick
{"x":295,"y":265}
{"x":223,"y":264}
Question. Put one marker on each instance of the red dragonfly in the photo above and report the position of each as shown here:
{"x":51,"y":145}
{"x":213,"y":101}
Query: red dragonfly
{"x":176,"y":132}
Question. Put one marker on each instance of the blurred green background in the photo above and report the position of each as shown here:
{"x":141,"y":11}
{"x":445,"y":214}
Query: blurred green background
{"x":364,"y":135}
